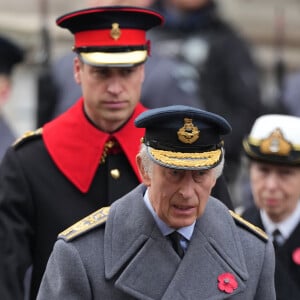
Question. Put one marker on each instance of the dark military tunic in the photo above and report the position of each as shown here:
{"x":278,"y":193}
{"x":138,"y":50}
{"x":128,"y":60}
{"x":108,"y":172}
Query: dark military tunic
{"x":287,"y":272}
{"x":50,"y":180}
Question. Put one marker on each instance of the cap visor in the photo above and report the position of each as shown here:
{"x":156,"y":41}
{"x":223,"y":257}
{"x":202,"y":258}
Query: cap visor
{"x":186,"y":161}
{"x":117,"y":59}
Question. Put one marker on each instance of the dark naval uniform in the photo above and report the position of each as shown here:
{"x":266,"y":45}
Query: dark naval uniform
{"x":287,"y":272}
{"x":129,"y":258}
{"x":53,"y":178}
{"x":272,"y":145}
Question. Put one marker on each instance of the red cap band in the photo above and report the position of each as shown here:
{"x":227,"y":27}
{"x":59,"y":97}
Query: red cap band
{"x":98,"y":38}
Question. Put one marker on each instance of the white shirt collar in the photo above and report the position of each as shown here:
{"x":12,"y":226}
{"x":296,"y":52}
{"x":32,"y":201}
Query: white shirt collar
{"x":186,"y":231}
{"x":286,"y":227}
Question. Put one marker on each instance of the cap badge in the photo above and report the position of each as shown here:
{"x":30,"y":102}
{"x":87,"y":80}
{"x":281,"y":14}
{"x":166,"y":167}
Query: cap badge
{"x":276,"y":144}
{"x":115,"y":32}
{"x":188,"y":133}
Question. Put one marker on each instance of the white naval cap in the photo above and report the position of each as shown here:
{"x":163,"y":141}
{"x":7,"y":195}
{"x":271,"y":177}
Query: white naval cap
{"x":274,"y":138}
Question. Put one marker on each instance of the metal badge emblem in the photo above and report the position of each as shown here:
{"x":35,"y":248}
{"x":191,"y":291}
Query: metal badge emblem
{"x":188,"y":133}
{"x":276,"y":144}
{"x":115,"y":32}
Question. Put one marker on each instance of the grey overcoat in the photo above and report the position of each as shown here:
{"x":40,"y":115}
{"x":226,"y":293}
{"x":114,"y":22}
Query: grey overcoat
{"x":129,"y":258}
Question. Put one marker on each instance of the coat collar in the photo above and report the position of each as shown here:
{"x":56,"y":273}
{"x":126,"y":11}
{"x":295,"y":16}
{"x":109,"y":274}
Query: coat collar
{"x":133,"y":244}
{"x":76,"y":146}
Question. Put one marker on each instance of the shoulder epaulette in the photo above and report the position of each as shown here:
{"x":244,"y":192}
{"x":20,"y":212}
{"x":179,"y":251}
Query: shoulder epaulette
{"x":86,"y":224}
{"x":249,"y":226}
{"x":28,"y":136}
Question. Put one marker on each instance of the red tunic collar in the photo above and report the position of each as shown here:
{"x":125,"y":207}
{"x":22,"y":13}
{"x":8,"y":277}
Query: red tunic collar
{"x":76,"y":146}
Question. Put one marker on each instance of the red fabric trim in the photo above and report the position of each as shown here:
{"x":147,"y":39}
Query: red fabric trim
{"x":102,"y":37}
{"x":76,"y":146}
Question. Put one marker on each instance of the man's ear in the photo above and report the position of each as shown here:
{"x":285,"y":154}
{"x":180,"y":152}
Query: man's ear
{"x":142,"y":72}
{"x":145,"y":176}
{"x":77,"y":65}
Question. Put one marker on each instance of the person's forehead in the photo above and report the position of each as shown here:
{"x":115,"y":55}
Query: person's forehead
{"x":275,"y":167}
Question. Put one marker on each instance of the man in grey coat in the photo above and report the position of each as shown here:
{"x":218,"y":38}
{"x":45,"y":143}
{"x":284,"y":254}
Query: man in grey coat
{"x":128,"y":250}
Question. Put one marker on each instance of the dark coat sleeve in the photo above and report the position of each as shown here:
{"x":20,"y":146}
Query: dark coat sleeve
{"x":16,"y":227}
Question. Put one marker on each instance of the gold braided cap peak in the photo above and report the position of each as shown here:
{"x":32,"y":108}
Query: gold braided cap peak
{"x":187,"y":160}
{"x":86,"y":224}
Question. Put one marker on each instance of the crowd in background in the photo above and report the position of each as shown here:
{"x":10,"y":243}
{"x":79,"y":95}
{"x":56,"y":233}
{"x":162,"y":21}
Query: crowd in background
{"x":198,"y":59}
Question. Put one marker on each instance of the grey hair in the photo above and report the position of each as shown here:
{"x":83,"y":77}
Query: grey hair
{"x":147,"y":162}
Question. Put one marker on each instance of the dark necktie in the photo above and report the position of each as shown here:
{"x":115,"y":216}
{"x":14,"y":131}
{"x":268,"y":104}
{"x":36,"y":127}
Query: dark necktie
{"x":175,"y":238}
{"x":277,"y":238}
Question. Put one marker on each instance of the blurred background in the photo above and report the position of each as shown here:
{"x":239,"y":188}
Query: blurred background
{"x":271,"y":26}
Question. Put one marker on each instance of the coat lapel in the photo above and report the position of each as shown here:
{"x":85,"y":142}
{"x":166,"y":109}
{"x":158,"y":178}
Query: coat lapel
{"x":144,"y":265}
{"x":133,"y":244}
{"x":203,"y":272}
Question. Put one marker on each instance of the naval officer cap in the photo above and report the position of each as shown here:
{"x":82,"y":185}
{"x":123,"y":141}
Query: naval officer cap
{"x":275,"y":139}
{"x":111,"y":36}
{"x":183,"y":137}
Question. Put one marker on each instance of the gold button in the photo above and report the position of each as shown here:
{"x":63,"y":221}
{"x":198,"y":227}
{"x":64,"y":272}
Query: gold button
{"x":115,"y":173}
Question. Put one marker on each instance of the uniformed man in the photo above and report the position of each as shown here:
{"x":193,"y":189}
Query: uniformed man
{"x":83,"y":160}
{"x":10,"y":55}
{"x":273,"y":149}
{"x":168,"y":238}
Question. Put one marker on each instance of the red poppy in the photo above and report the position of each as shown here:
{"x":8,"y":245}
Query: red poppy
{"x":227,"y":283}
{"x":296,"y":256}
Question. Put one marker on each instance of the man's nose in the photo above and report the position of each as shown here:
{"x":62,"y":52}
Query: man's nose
{"x":114,"y":85}
{"x":187,"y":185}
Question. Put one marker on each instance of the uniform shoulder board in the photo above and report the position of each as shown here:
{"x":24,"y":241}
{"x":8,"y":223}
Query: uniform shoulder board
{"x":86,"y":224}
{"x":28,"y":136}
{"x":249,"y":226}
